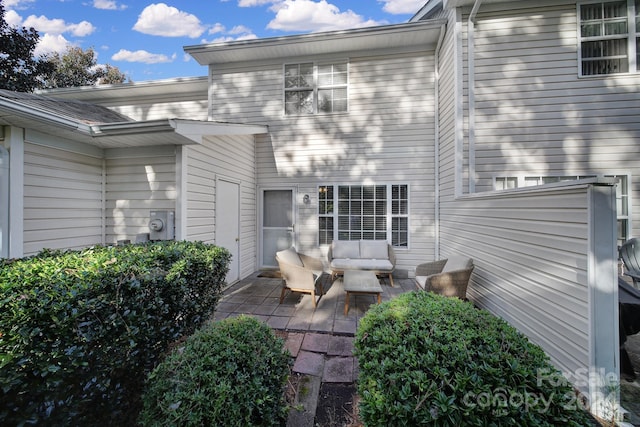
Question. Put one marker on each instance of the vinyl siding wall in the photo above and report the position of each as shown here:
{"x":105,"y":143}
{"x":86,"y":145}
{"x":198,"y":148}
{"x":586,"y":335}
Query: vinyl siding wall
{"x":533,"y":251}
{"x":232,"y":158}
{"x":386,"y":137}
{"x":533,"y":248}
{"x":195,"y":109}
{"x":137,"y":181}
{"x":535,"y":116}
{"x":62,"y":198}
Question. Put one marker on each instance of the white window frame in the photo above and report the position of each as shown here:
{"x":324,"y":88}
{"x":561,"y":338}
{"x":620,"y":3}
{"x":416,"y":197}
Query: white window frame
{"x":389,"y":215}
{"x":623,"y":207}
{"x":632,"y":37}
{"x":315,"y":87}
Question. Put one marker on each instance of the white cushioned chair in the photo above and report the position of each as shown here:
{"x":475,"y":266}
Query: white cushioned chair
{"x":448,"y":277}
{"x":300,"y":273}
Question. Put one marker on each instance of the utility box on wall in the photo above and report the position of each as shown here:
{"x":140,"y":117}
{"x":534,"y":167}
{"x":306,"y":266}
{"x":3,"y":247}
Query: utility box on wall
{"x":161,"y":225}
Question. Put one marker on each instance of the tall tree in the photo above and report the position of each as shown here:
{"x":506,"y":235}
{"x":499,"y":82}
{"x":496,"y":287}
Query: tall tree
{"x":19,"y":69}
{"x":77,"y":67}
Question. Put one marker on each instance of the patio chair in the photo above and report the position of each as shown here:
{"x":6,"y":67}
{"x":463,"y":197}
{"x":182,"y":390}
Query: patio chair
{"x":300,"y":273}
{"x":630,"y":254}
{"x":448,"y":277}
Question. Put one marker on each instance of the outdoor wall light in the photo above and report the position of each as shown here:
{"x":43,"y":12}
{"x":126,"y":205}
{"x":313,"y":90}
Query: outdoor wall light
{"x":306,"y":199}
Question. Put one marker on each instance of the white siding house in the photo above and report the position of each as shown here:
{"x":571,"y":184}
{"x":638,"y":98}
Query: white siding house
{"x":382,"y":136}
{"x":434,"y":135}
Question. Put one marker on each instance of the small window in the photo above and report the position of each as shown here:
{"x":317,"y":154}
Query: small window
{"x":369,"y":212}
{"x":315,"y":88}
{"x":609,"y":38}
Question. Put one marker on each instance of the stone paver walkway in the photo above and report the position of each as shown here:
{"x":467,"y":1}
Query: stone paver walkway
{"x":319,"y":339}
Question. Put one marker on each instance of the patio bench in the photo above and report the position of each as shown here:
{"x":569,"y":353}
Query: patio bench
{"x":371,"y":255}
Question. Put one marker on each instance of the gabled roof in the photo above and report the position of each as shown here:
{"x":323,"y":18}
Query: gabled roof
{"x":422,"y":34}
{"x":99,"y":126}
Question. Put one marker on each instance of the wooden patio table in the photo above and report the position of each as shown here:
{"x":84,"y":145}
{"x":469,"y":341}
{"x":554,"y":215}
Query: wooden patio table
{"x":360,"y":282}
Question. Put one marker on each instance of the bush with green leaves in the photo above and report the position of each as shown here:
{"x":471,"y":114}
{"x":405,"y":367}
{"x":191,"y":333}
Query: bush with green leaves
{"x":430,"y":360}
{"x":80,"y":330}
{"x":229,"y":373}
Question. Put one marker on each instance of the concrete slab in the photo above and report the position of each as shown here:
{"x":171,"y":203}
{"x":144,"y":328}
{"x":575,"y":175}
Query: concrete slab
{"x":318,"y":343}
{"x":293,"y":343}
{"x":346,"y":326}
{"x":340,"y":346}
{"x":299,"y":323}
{"x":306,"y":398}
{"x":278,"y":322}
{"x":338,"y":370}
{"x":309,"y":363}
{"x":265,"y":309}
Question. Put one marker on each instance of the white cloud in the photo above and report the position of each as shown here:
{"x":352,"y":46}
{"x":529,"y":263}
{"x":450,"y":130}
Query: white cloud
{"x":50,"y":43}
{"x":13,"y":19}
{"x":162,"y":20}
{"x":142,"y":56}
{"x":239,"y":29}
{"x":399,"y":7}
{"x":217,"y":28}
{"x":16,"y":4}
{"x":58,"y":26}
{"x":307,"y":15}
{"x":51,"y":31}
{"x":251,"y":3}
{"x":239,"y":32}
{"x":108,"y":5}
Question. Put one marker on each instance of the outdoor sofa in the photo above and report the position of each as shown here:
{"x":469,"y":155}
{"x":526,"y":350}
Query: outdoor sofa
{"x":371,"y":255}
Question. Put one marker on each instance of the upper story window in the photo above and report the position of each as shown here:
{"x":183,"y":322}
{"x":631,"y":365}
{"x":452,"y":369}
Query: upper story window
{"x":609,"y":37}
{"x":311,"y":88}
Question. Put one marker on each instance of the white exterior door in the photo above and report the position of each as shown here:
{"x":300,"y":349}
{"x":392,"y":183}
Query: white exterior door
{"x":277,"y":224}
{"x":228,"y":224}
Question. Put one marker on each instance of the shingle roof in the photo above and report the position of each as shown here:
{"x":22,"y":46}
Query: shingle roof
{"x":79,"y":111}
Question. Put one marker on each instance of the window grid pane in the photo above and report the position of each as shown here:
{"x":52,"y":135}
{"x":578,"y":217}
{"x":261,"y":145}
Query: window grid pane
{"x":362,"y":213}
{"x":604,"y":44}
{"x":306,"y":94}
{"x":325,"y":215}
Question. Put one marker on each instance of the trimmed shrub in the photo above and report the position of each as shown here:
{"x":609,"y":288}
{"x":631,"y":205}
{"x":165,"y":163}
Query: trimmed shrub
{"x":80,"y":330}
{"x":430,"y":360}
{"x":230,"y":373}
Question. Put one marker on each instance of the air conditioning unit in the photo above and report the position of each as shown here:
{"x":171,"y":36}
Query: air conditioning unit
{"x":161,"y":225}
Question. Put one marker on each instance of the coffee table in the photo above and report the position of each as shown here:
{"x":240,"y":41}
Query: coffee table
{"x":360,"y":282}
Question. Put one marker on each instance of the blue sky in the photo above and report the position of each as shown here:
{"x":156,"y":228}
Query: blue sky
{"x":145,"y":40}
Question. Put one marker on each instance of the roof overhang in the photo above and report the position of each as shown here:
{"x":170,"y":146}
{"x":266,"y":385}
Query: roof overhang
{"x":120,"y":134}
{"x":451,"y":4}
{"x":421,"y":35}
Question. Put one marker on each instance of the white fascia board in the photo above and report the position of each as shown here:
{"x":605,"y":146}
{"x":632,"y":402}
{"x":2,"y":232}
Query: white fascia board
{"x":195,"y":129}
{"x":423,"y":34}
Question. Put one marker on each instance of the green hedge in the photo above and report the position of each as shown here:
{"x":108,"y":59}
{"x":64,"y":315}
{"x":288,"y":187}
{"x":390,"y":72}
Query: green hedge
{"x":430,"y":360}
{"x":80,"y":330}
{"x":230,"y":373}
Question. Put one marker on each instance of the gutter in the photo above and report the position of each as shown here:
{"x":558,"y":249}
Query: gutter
{"x":436,"y":154}
{"x":472,"y":94}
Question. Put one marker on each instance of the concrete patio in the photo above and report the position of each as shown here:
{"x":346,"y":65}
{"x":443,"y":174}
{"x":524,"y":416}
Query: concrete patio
{"x":320,"y":339}
{"x":259,"y":298}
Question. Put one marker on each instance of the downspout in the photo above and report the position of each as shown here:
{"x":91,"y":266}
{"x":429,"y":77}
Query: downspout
{"x":4,"y":202}
{"x":472,"y":94}
{"x":436,"y":145}
{"x":103,"y":203}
